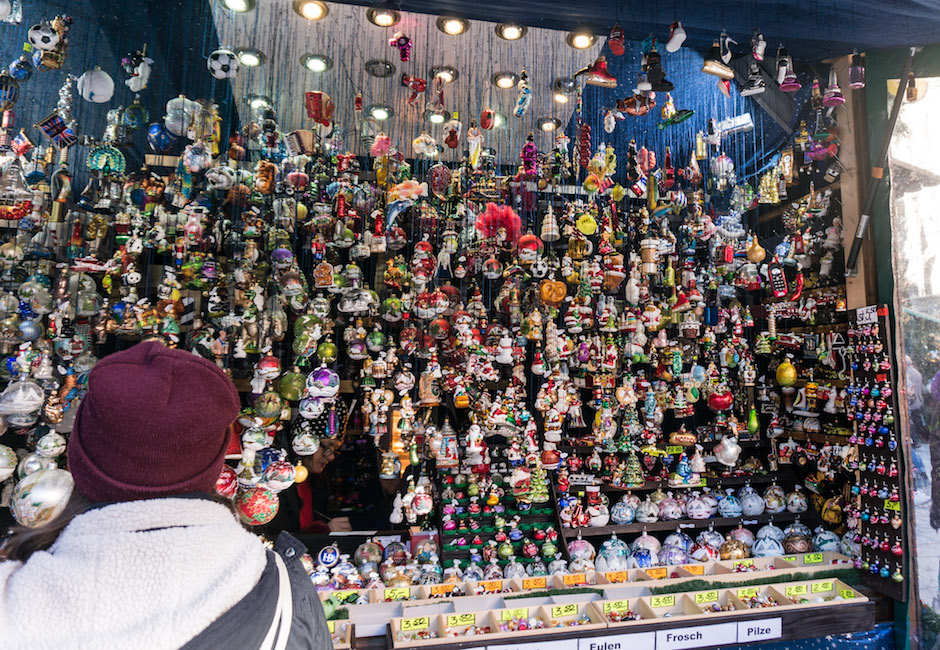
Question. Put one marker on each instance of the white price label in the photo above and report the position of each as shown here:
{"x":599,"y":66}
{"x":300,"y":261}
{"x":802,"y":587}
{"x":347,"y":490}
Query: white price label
{"x":770,"y":628}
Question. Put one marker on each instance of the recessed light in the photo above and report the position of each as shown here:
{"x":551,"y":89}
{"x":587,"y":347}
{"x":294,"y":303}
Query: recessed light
{"x":511,"y":31}
{"x":257,"y":102}
{"x":549,"y":124}
{"x":250,"y":57}
{"x":504,"y":80}
{"x":498,"y":120}
{"x":311,"y":9}
{"x":580,"y":40}
{"x":382,"y":17}
{"x":561,"y":98}
{"x":379,"y":68}
{"x":445,"y":72}
{"x":238,"y":6}
{"x":436,"y":118}
{"x":316,"y":62}
{"x":452,"y":25}
{"x":381,"y":112}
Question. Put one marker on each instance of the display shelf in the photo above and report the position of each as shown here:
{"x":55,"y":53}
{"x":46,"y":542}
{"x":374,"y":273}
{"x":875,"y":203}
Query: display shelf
{"x":706,"y":444}
{"x":713,"y":481}
{"x":684,"y":524}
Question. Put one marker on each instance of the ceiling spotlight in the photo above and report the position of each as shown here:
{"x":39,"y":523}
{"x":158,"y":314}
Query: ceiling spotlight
{"x":504,"y":80}
{"x":311,"y":9}
{"x":316,"y":62}
{"x":238,"y":6}
{"x":381,"y":112}
{"x":549,"y":124}
{"x":445,"y":72}
{"x":382,"y":17}
{"x":379,"y":68}
{"x":257,"y":102}
{"x":436,"y":118}
{"x":452,"y":25}
{"x":580,"y":40}
{"x":510,"y":31}
{"x":498,"y":120}
{"x":250,"y":57}
{"x":561,"y":98}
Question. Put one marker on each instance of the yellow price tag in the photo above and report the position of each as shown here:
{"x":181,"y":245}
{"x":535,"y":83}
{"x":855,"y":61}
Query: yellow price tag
{"x":847,"y":593}
{"x":892,"y":505}
{"x":706,"y":597}
{"x":674,"y":450}
{"x":397,"y":593}
{"x":492,"y":586}
{"x":616,"y":576}
{"x":509,"y":614}
{"x":694,"y":569}
{"x":564,"y":610}
{"x":573,"y":579}
{"x":657,"y":573}
{"x":419,"y":623}
{"x":331,"y":626}
{"x":663,"y":601}
{"x":747,"y":592}
{"x":788,"y":558}
{"x":819,"y":587}
{"x":441,"y":590}
{"x":813,"y":558}
{"x":616,"y":606}
{"x":533,"y":583}
{"x":459,"y":620}
{"x":344,"y":594}
{"x":796,"y":590}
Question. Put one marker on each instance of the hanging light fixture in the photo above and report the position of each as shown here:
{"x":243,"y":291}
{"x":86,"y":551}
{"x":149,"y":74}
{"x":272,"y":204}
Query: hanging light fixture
{"x":379,"y":68}
{"x":382,"y":17}
{"x":380,"y":112}
{"x":504,"y":80}
{"x":833,"y":96}
{"x":311,"y":9}
{"x":452,"y":25}
{"x":580,"y":40}
{"x":250,"y":57}
{"x":258,"y":102}
{"x":511,"y":31}
{"x":316,"y":62}
{"x":446,"y":73}
{"x":436,"y":117}
{"x":714,"y":65}
{"x":238,"y":6}
{"x":856,"y":72}
{"x":549,"y":124}
{"x":562,"y":88}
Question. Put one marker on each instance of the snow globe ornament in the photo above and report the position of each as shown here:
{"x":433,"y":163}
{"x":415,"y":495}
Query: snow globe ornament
{"x":38,"y":498}
{"x":647,"y":512}
{"x":767,"y":547}
{"x":613,"y":555}
{"x":672,"y":555}
{"x":222,"y":64}
{"x":679,"y":539}
{"x":642,"y":558}
{"x":752,"y":504}
{"x":710,"y":536}
{"x":730,"y":506}
{"x":645,"y":541}
{"x":796,"y":501}
{"x":826,"y":540}
{"x":579,"y":549}
{"x":772,"y":531}
{"x":622,"y":512}
{"x":669,"y":509}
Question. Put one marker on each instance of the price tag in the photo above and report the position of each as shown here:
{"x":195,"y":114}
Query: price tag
{"x":796,"y":590}
{"x":331,"y":626}
{"x":419,"y":623}
{"x":707,"y":597}
{"x":573,"y":579}
{"x":492,"y":586}
{"x":344,"y":594}
{"x":616,"y":606}
{"x":747,"y":592}
{"x":694,"y":569}
{"x":866,"y":315}
{"x":397,"y":593}
{"x":509,"y":614}
{"x":459,"y":620}
{"x":788,"y":558}
{"x":663,"y":601}
{"x":441,"y":590}
{"x":813,"y":558}
{"x":657,"y":573}
{"x":616,"y":576}
{"x":847,"y":593}
{"x":819,"y":587}
{"x":564,"y":610}
{"x":892,"y":505}
{"x":674,"y":450}
{"x":533,"y":583}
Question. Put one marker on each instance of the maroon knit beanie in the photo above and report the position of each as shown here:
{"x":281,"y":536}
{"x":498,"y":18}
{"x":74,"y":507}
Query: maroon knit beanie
{"x":154,"y":423}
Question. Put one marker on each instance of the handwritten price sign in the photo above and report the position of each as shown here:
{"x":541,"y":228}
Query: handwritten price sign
{"x":616,"y":606}
{"x":813,"y":558}
{"x":747,"y":592}
{"x":533,"y":583}
{"x":419,"y":623}
{"x":796,"y":590}
{"x":663,"y":601}
{"x":509,"y":614}
{"x":706,"y":597}
{"x":460,"y":620}
{"x":397,"y":593}
{"x":573,"y":579}
{"x":564,"y":610}
{"x":820,"y":587}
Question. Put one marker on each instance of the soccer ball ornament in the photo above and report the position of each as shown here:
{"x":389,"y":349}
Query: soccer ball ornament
{"x":222,"y":64}
{"x":42,"y":37}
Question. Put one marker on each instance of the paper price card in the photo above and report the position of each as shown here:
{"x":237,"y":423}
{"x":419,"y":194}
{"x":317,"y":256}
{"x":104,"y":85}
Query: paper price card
{"x":657,"y":573}
{"x":492,"y":586}
{"x":747,"y":592}
{"x":441,"y":590}
{"x":616,"y":576}
{"x":509,"y":614}
{"x":459,"y":620}
{"x":397,"y":593}
{"x":616,"y":606}
{"x":867,"y":315}
{"x":847,"y":593}
{"x":819,"y":587}
{"x":892,"y":505}
{"x":343,"y":595}
{"x":331,"y":626}
{"x":796,"y":590}
{"x":706,"y":597}
{"x":533,"y":583}
{"x":788,"y":558}
{"x":419,"y":623}
{"x":574,"y":579}
{"x":663,"y":601}
{"x":813,"y":558}
{"x":674,"y":450}
{"x":694,"y":569}
{"x":564,"y":610}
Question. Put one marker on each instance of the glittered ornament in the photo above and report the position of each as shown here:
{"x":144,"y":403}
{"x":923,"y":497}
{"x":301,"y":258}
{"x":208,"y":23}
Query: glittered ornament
{"x":256,"y":506}
{"x":41,"y":496}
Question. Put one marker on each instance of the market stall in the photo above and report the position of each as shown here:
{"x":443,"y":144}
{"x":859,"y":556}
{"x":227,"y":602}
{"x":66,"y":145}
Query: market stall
{"x":566,"y":326}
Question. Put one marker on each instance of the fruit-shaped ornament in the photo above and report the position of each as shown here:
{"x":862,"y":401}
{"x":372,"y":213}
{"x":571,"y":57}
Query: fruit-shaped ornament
{"x":786,"y":373}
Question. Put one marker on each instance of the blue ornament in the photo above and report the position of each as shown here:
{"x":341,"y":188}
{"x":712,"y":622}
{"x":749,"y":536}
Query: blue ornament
{"x":328,"y":556}
{"x":22,"y":69}
{"x":159,"y":138}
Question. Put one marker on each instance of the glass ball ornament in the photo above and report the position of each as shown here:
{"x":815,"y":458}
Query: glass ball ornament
{"x":704,"y":552}
{"x":742,"y":534}
{"x":581,"y":549}
{"x":733,"y":549}
{"x":796,"y":542}
{"x":279,"y":475}
{"x":256,"y":506}
{"x":8,"y":461}
{"x":397,"y":552}
{"x":39,"y":497}
{"x":826,"y":540}
{"x":32,"y":463}
{"x":51,"y":445}
{"x":227,"y":484}
{"x":767,"y":547}
{"x":772,"y":531}
{"x":645,"y":541}
{"x":671,"y":555}
{"x":622,"y":513}
{"x":796,"y":502}
{"x":327,"y":351}
{"x":642,"y":558}
{"x":730,"y":506}
{"x":711,"y":537}
{"x":679,"y":539}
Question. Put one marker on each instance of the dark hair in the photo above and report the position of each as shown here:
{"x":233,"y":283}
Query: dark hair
{"x":24,"y":541}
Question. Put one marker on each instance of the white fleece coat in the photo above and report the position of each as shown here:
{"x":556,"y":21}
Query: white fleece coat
{"x":142,"y":574}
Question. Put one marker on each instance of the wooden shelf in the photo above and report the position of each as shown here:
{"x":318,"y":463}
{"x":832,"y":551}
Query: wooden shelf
{"x":684,"y":524}
{"x":755,"y":479}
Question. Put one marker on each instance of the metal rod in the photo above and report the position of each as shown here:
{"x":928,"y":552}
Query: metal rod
{"x":878,"y":170}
